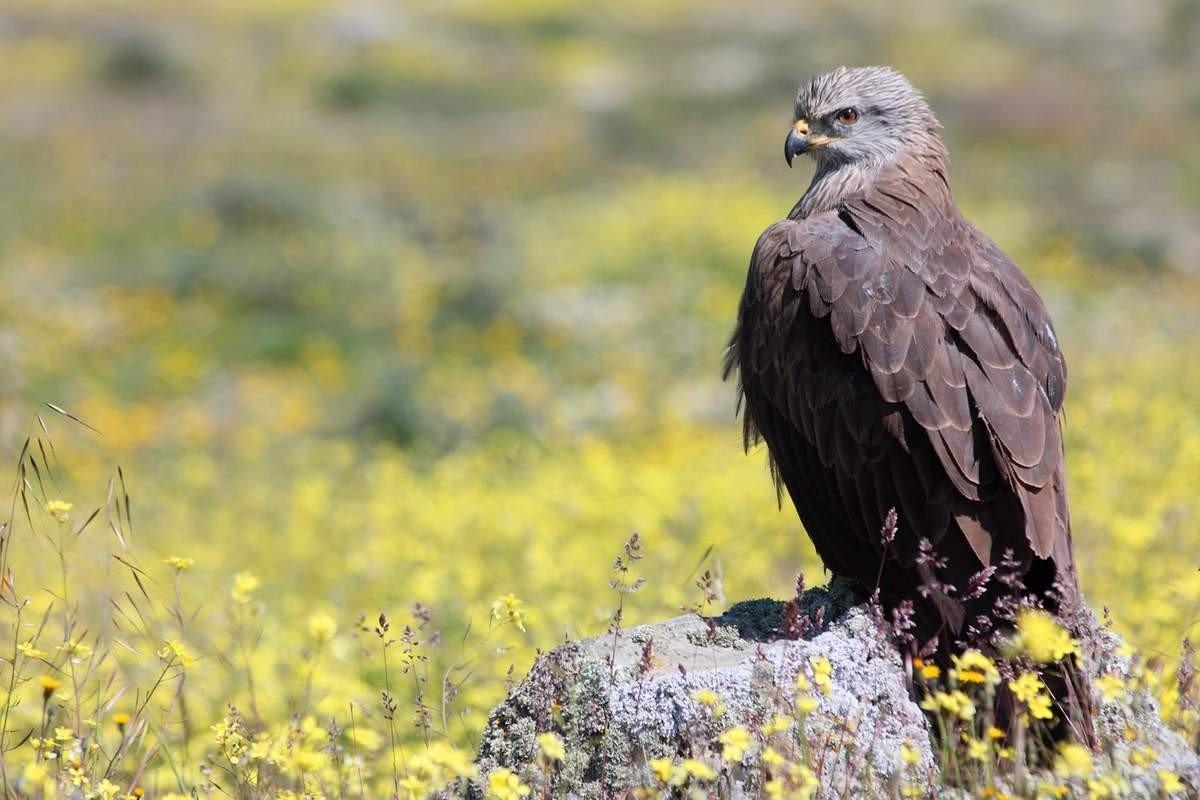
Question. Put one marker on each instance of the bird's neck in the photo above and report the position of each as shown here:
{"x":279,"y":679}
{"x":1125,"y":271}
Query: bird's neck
{"x":834,"y":182}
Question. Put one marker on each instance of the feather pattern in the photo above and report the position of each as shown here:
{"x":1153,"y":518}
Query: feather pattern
{"x":891,"y":356}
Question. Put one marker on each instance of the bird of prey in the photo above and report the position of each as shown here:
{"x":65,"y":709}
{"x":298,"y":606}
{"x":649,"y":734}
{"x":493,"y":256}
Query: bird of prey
{"x":891,"y":356}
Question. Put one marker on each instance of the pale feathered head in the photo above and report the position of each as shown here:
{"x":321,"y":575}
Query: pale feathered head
{"x":860,"y":115}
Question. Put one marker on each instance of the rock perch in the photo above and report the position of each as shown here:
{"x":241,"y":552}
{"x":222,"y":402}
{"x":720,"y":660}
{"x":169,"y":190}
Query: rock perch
{"x":620,"y":702}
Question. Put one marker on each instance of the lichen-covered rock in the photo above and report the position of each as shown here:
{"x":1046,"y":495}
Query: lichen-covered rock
{"x":621,"y":701}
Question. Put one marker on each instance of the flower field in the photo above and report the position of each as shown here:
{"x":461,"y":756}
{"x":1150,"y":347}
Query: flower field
{"x":344,"y":346}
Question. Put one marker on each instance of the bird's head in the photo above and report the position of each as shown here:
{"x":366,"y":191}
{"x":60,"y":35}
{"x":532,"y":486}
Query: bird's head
{"x":859,"y":115}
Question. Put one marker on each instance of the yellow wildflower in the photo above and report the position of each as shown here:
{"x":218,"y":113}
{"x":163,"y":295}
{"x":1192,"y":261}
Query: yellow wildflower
{"x":978,"y":749}
{"x":551,"y":746}
{"x":29,"y":651}
{"x":366,"y":738}
{"x":822,"y":674}
{"x":806,"y":704}
{"x":244,"y":586}
{"x":60,"y":510}
{"x":120,"y":719}
{"x":413,"y":788}
{"x":955,"y":703}
{"x":1170,"y":782}
{"x":307,"y":761}
{"x":509,"y":608}
{"x":1051,"y":791}
{"x":1073,"y":761}
{"x":322,"y":627}
{"x":64,"y":734}
{"x":771,"y":757}
{"x":734,"y":743}
{"x":1106,"y":786}
{"x":179,"y":563}
{"x":175,"y":650}
{"x":1041,"y":638}
{"x":697,"y":769}
{"x":34,"y":773}
{"x":909,"y":754}
{"x":1029,"y":689}
{"x":931,"y":672}
{"x":107,"y":790}
{"x":710,"y":699}
{"x":504,"y":784}
{"x":974,"y":667}
{"x":49,"y":684}
{"x":662,"y":768}
{"x":76,"y":651}
{"x":1111,"y":686}
{"x":777,"y":724}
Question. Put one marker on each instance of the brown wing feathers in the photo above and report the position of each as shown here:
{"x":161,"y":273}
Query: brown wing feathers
{"x":892,"y":356}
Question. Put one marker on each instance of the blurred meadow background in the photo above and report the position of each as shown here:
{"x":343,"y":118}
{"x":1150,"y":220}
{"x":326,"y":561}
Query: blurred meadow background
{"x":419,"y":309}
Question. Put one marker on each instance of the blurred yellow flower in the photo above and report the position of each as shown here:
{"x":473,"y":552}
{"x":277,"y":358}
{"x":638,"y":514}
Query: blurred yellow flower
{"x":107,"y":790}
{"x":974,"y":667}
{"x":179,"y":563}
{"x":29,"y":651}
{"x":1029,"y":689}
{"x":551,"y":746}
{"x":1111,"y":686}
{"x":662,"y":768}
{"x":176,"y":651}
{"x":931,"y":672}
{"x":1170,"y":782}
{"x":49,"y":684}
{"x":504,"y":784}
{"x":1073,"y":760}
{"x":955,"y":703}
{"x":978,"y":749}
{"x":366,"y":738}
{"x":509,"y":608}
{"x":413,"y":787}
{"x":34,"y":773}
{"x":777,"y":724}
{"x":120,"y":719}
{"x":711,"y":700}
{"x":693,"y":768}
{"x":1040,"y":637}
{"x":76,"y":651}
{"x":822,"y":674}
{"x":735,"y":742}
{"x":59,"y":509}
{"x":909,"y":754}
{"x":244,"y":586}
{"x":322,"y":627}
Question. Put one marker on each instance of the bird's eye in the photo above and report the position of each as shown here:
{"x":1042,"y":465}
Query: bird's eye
{"x":847,"y":116}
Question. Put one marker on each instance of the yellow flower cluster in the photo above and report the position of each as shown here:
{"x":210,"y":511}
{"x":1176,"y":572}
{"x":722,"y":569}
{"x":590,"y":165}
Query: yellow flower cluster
{"x":690,"y":769}
{"x":1029,"y":690}
{"x":509,"y":608}
{"x":956,"y":704}
{"x":1041,"y":638}
{"x":974,"y":667}
{"x":735,"y":743}
{"x":503,"y":784}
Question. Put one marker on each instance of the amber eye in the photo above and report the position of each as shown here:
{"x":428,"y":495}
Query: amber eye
{"x":847,"y":116}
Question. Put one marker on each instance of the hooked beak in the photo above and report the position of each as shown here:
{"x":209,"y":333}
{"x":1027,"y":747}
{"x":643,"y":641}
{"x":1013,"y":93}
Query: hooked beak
{"x":799,"y":141}
{"x":794,"y":145}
